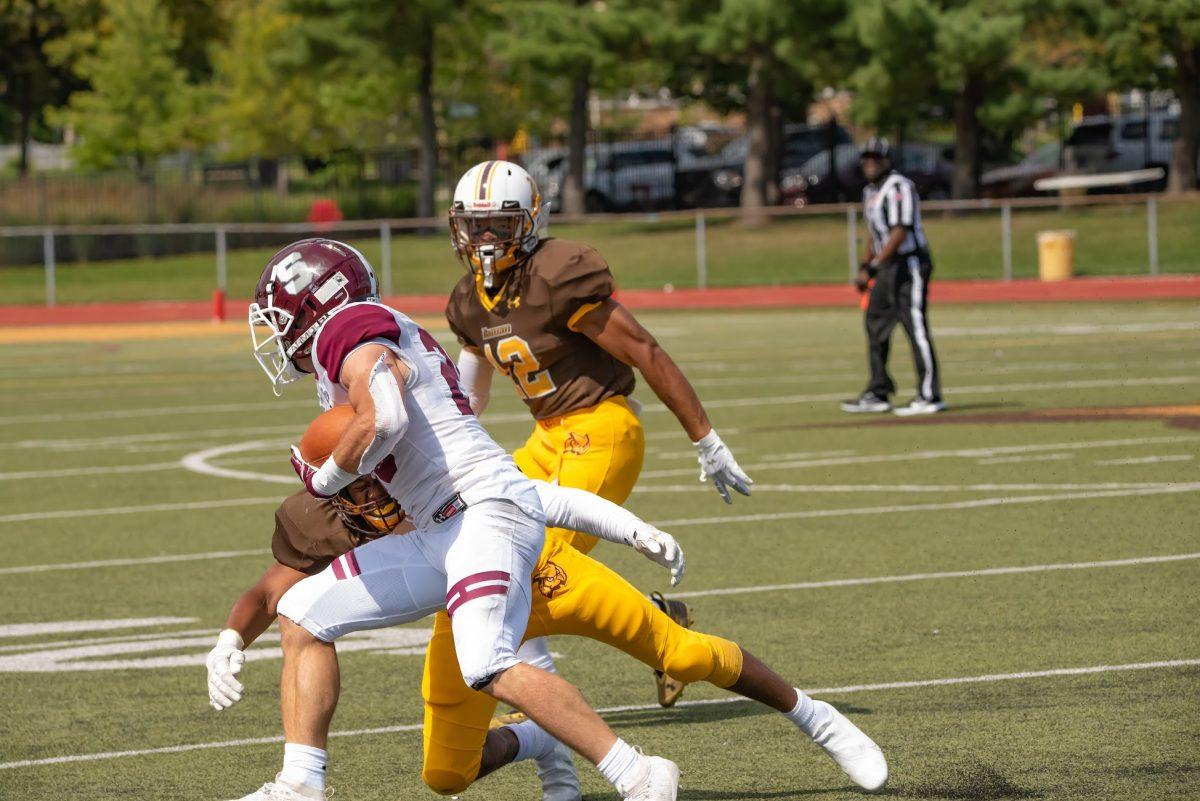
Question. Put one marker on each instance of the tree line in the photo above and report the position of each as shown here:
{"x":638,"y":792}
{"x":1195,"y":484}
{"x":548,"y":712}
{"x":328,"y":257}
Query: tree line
{"x":137,"y":79}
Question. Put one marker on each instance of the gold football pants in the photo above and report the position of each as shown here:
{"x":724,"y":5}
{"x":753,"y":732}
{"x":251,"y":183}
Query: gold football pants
{"x":598,"y":449}
{"x":572,"y":594}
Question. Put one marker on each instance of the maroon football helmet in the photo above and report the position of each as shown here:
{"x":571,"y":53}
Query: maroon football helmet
{"x":302,"y":285}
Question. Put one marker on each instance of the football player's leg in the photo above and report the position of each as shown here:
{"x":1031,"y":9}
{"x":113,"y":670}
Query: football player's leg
{"x":488,"y":599}
{"x":456,"y":717}
{"x":913,"y":294}
{"x":596,"y":602}
{"x":379,"y":584}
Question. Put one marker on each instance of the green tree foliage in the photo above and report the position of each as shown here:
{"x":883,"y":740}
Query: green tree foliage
{"x":30,"y":77}
{"x":1156,"y":43}
{"x":980,"y":58}
{"x":139,"y":104}
{"x":586,"y":45}
{"x":765,"y":56}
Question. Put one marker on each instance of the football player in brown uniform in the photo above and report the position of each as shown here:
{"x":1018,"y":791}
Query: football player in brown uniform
{"x":540,"y":311}
{"x":578,"y":596}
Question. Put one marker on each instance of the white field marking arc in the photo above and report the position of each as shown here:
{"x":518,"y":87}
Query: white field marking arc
{"x":928,"y":507}
{"x":1178,"y":457}
{"x":966,"y":453}
{"x":130,"y":510}
{"x":198,"y":463}
{"x":950,"y":574}
{"x":844,"y":690}
{"x":115,"y":414}
{"x":907,"y":488}
{"x":72,"y":626}
{"x":133,"y":560}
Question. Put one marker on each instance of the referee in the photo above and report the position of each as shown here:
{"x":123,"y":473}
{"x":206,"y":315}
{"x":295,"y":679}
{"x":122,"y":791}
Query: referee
{"x":896,"y":273}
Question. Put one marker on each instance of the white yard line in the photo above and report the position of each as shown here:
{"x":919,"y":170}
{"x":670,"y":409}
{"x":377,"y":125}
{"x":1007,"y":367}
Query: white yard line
{"x":89,"y":471}
{"x":930,"y":507}
{"x":950,"y":574}
{"x":133,"y":560}
{"x":1045,"y":457}
{"x":73,"y":626}
{"x":1180,"y":457}
{"x":966,"y":453}
{"x":131,"y":510}
{"x":1069,"y":330}
{"x":903,"y":488}
{"x":826,"y":691}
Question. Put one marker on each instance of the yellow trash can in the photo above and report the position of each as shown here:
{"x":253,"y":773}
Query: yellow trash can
{"x":1056,"y":255}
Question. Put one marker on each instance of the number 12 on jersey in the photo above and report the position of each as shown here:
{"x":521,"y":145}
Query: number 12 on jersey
{"x":513,"y":357}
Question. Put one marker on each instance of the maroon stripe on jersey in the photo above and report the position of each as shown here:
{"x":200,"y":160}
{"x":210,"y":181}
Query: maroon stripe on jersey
{"x":482,"y":592}
{"x":483,"y":179}
{"x":487,"y":575}
{"x":348,"y":329}
{"x":352,"y":563}
{"x":338,"y":572}
{"x":449,"y":371}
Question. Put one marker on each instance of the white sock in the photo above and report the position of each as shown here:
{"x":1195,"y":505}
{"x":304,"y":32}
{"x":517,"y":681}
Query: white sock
{"x":536,"y":652}
{"x":532,"y":740}
{"x":807,"y":714}
{"x":623,"y":766}
{"x":304,"y":765}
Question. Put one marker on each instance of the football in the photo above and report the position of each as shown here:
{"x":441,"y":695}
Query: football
{"x":323,"y":434}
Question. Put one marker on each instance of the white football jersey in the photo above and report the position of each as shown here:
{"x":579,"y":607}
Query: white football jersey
{"x":444,"y":452}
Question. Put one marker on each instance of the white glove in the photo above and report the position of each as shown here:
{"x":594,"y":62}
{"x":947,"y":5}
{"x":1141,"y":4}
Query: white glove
{"x":224,"y":664}
{"x":717,"y":463}
{"x":661,"y":547}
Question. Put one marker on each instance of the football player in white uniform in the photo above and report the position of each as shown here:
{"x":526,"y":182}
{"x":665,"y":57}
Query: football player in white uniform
{"x":479,"y":521}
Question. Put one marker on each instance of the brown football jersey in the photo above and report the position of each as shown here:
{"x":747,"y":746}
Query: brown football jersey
{"x":527,"y":329}
{"x":309,"y":534}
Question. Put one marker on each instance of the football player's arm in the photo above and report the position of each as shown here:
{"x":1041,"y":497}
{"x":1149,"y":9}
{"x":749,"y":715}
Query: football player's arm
{"x":579,"y":510}
{"x":251,"y":615}
{"x":612,"y":327}
{"x":475,"y":377}
{"x":896,"y":237}
{"x":373,"y":378}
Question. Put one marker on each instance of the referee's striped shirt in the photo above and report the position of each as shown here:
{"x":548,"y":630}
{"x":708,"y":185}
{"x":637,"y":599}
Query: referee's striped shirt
{"x":894,"y":203}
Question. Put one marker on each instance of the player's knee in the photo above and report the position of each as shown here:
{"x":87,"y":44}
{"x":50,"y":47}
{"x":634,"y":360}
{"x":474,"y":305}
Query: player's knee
{"x":701,"y":657}
{"x":445,"y":781}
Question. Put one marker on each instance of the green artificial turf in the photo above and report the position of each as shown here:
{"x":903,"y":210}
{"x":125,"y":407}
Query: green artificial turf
{"x":995,"y":482}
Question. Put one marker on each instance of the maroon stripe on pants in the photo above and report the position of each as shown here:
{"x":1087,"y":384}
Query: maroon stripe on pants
{"x":487,"y":575}
{"x":352,"y":563}
{"x":494,"y":589}
{"x":338,"y":571}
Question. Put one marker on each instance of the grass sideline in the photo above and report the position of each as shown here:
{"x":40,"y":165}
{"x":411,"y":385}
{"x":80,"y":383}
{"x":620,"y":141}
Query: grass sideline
{"x":1111,"y":241}
{"x":103,"y":426}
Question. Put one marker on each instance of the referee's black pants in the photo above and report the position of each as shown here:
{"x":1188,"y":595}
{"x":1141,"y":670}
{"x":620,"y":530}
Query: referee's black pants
{"x":898,"y":296}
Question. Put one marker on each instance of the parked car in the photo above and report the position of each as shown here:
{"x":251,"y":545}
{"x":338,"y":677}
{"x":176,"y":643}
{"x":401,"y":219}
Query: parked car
{"x":816,"y":182}
{"x":800,"y":143}
{"x":1016,"y":180}
{"x":623,"y":176}
{"x":1102,"y":143}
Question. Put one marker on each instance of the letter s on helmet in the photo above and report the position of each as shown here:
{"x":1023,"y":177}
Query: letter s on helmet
{"x":497,"y":218}
{"x":302,"y":285}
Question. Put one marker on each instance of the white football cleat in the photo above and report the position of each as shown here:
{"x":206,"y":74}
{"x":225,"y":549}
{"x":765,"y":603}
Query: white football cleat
{"x":282,"y":791}
{"x":557,"y":773}
{"x":660,"y":783}
{"x":920,"y":406}
{"x":854,"y":752}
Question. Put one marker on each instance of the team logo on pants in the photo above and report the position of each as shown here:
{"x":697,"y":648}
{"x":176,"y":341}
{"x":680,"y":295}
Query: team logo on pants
{"x":550,"y":579}
{"x":577,"y":444}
